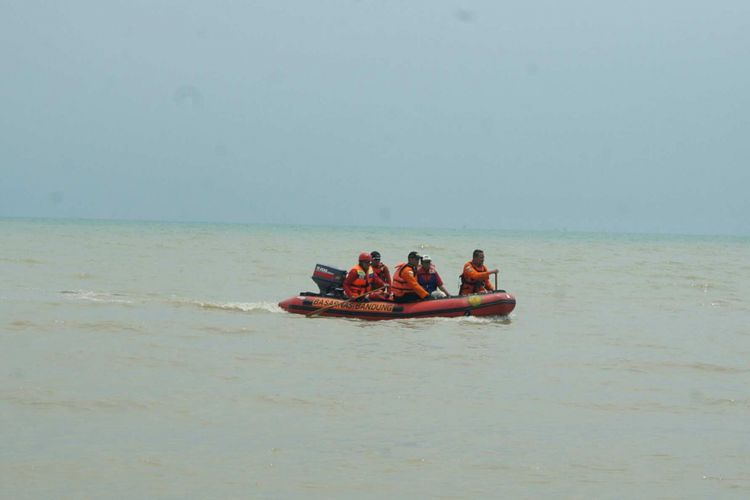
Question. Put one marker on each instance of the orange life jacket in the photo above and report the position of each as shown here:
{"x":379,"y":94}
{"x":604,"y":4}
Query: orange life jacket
{"x":474,"y":285}
{"x":381,"y":272}
{"x":360,"y":285}
{"x":401,"y":285}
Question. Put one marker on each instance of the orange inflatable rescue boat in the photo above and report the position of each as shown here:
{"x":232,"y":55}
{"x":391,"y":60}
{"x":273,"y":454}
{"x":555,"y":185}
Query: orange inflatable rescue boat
{"x":332,"y":302}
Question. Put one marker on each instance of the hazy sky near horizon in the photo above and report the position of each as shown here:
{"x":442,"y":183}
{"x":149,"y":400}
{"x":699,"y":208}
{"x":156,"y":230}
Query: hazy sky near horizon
{"x":578,"y":115}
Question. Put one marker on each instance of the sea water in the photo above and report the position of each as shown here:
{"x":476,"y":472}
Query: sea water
{"x":150,"y":360}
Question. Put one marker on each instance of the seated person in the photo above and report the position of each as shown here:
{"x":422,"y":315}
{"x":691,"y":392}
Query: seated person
{"x":430,"y":279}
{"x":476,"y":277}
{"x":405,"y":286}
{"x":380,"y":269}
{"x":355,"y":283}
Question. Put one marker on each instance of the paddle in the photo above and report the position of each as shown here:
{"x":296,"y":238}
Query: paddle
{"x":496,"y":281}
{"x":322,"y":309}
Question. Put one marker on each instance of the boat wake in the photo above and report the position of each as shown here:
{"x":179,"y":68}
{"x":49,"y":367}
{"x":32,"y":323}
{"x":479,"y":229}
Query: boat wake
{"x":241,"y":306}
{"x":120,"y":298}
{"x":484,"y":320}
{"x":471,"y":320}
{"x":102,"y":297}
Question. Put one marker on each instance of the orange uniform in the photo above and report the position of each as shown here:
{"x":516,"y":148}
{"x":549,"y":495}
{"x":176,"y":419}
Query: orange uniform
{"x":474,"y":279}
{"x":382,"y":275}
{"x":405,"y":281}
{"x":356,"y":282}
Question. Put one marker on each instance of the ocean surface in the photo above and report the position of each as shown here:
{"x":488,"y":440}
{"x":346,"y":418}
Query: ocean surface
{"x":150,"y":360}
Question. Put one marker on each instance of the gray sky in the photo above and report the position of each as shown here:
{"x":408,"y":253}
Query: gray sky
{"x":578,"y":115}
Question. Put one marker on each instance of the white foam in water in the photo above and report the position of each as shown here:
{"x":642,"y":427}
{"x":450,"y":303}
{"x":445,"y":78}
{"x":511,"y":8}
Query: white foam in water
{"x":103,"y":297}
{"x":465,"y":319}
{"x":243,"y":306}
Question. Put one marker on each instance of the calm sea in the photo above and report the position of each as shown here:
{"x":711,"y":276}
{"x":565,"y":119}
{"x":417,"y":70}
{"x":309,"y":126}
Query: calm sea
{"x":148,"y":360}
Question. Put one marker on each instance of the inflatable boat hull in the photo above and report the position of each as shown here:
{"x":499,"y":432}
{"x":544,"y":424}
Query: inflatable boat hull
{"x":498,"y":303}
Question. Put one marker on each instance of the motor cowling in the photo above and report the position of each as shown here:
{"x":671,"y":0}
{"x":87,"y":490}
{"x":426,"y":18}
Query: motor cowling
{"x":330,"y":280}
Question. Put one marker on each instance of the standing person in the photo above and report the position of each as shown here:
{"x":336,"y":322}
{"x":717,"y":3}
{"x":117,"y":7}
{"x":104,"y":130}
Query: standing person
{"x":476,"y":277}
{"x":430,"y":279}
{"x":405,"y":286}
{"x":381,"y":275}
{"x":355,"y":283}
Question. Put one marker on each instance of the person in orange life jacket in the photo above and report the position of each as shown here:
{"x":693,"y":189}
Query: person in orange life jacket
{"x":382,"y":273}
{"x":430,"y":279}
{"x":355,"y":283}
{"x":379,"y":278}
{"x":405,"y":286}
{"x":476,"y":277}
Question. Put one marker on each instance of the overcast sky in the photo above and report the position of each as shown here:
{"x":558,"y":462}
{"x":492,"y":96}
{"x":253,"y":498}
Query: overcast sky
{"x":580,"y":115}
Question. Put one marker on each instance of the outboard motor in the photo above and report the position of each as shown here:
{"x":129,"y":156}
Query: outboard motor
{"x":329,"y":279}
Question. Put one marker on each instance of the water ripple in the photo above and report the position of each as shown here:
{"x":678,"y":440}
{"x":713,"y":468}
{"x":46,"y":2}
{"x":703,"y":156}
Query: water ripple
{"x":37,"y":401}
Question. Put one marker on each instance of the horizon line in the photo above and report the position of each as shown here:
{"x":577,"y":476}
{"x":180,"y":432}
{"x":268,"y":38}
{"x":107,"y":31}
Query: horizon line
{"x":375,"y":226}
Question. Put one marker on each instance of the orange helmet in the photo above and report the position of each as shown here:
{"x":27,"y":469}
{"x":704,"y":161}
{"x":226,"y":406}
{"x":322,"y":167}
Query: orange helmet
{"x":364,"y":257}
